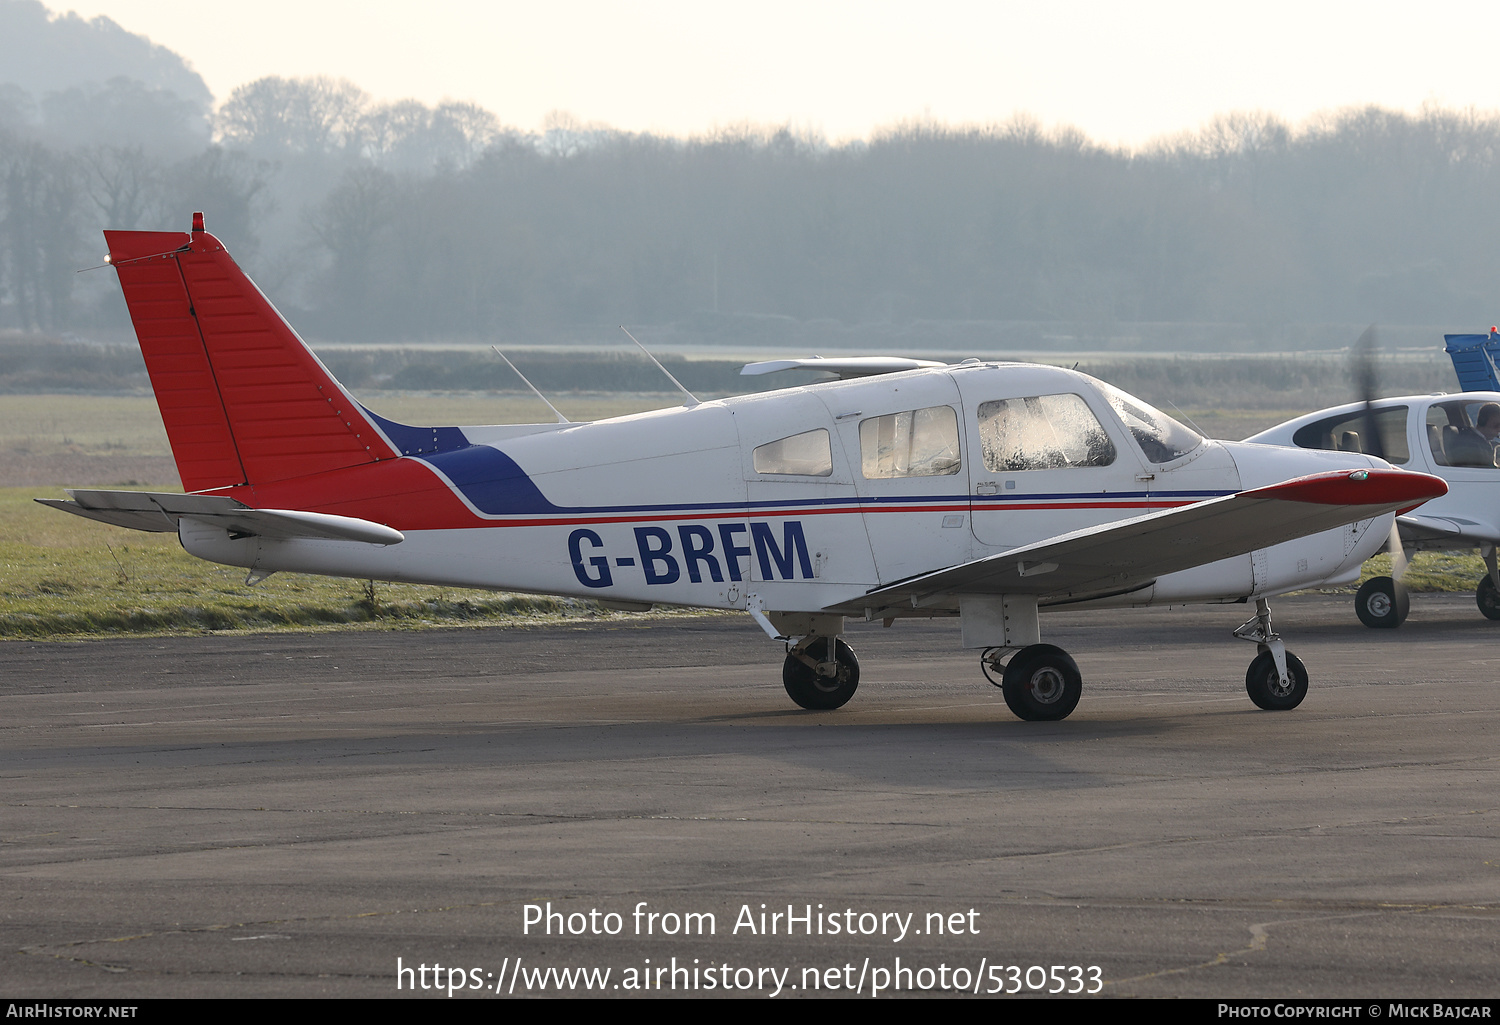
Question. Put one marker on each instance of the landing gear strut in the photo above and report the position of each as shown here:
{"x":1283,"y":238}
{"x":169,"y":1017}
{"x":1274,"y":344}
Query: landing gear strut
{"x":1276,"y":679}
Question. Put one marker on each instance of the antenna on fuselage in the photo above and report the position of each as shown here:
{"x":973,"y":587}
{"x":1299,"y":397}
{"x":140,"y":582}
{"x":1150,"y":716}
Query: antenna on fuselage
{"x":1189,"y":419}
{"x":560,"y":418}
{"x":692,"y":399}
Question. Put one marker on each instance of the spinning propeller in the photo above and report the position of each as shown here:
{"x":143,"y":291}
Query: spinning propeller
{"x":1365,"y":352}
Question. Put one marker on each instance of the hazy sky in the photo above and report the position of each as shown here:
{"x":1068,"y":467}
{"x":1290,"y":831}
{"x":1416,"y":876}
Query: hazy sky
{"x":1121,"y":71}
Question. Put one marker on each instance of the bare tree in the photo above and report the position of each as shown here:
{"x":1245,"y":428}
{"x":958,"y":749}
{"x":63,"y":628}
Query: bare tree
{"x":349,"y":226}
{"x":229,"y":186}
{"x":469,"y":129}
{"x":39,"y":233}
{"x":123,"y":182}
{"x":275,"y":116}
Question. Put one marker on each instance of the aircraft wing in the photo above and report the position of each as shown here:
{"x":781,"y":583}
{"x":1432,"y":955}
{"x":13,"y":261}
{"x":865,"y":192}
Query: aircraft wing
{"x":845,"y":367}
{"x":1438,"y":531}
{"x":1117,"y":557}
{"x":160,"y":511}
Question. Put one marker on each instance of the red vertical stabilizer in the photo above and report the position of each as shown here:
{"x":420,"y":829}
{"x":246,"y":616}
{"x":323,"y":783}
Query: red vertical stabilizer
{"x":243,"y":399}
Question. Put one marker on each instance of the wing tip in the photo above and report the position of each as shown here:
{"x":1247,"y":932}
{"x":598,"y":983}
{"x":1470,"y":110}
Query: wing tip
{"x":1357,"y":487}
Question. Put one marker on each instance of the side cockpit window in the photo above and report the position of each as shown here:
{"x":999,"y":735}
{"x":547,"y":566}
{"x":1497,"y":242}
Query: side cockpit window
{"x":1042,"y":432}
{"x":1160,"y":438}
{"x":805,"y":455}
{"x":916,"y":443}
{"x":1464,"y":432}
{"x":1381,"y":432}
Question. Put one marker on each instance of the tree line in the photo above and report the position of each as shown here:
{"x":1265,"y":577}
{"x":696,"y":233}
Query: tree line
{"x":400,"y":221}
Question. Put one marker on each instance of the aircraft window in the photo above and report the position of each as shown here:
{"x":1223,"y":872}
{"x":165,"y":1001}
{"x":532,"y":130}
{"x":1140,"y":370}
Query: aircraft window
{"x":917,"y":443}
{"x":1455,"y":436}
{"x":1042,"y":432}
{"x":1350,"y":432}
{"x":1160,"y":438}
{"x":806,"y":454}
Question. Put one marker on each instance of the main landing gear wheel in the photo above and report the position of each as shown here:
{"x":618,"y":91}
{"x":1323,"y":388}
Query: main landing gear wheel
{"x":809,"y":688}
{"x":1384,"y":604}
{"x":1488,"y":597}
{"x":1264,"y":685}
{"x":1042,"y":683}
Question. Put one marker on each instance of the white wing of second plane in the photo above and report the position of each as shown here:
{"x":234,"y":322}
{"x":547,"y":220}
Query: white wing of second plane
{"x":1439,"y":530}
{"x":1127,"y":554}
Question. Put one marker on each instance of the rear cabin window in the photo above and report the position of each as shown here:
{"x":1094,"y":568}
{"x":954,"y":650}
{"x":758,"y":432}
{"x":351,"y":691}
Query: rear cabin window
{"x":806,"y":455}
{"x":917,"y":443}
{"x":1351,"y":432}
{"x":1042,"y":432}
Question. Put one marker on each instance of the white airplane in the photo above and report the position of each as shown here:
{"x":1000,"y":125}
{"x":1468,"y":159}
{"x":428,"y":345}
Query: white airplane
{"x":1443,"y":435}
{"x":986,"y":491}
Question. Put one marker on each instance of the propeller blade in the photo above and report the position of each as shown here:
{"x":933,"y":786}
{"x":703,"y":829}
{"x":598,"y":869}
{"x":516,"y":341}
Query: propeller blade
{"x":1398,"y":553}
{"x":1364,"y":362}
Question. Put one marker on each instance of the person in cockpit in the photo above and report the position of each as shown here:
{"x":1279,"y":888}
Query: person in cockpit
{"x":1475,"y":446}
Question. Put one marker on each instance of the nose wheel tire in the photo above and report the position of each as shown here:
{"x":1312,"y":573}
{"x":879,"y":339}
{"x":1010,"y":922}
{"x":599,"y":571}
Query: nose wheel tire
{"x":1487,"y":597}
{"x":809,"y":688}
{"x":1264,"y":685}
{"x":1384,"y":604}
{"x":1042,"y":683}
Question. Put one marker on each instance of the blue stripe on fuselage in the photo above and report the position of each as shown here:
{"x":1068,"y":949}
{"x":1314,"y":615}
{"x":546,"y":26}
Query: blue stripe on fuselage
{"x":491,"y":481}
{"x":418,"y":441}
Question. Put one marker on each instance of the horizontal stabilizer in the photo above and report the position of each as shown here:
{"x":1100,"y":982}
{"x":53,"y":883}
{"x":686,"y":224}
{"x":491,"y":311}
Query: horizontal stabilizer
{"x":161,"y":511}
{"x":845,"y":367}
{"x":1121,"y":556}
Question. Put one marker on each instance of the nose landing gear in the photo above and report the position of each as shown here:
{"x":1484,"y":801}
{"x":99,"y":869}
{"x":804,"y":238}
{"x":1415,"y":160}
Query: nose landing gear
{"x":1276,"y":679}
{"x":1382,"y":603}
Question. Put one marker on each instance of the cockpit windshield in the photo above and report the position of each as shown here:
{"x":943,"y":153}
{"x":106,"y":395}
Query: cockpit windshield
{"x":1161,"y":439}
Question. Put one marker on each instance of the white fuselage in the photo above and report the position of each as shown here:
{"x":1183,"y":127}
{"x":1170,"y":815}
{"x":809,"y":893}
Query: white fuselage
{"x":742,"y":502}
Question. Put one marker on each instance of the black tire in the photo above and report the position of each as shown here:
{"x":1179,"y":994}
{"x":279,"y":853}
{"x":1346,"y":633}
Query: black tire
{"x":1382,"y":604}
{"x":1263,"y":683}
{"x":1042,"y":683}
{"x":821,"y":693}
{"x":1487,"y":597}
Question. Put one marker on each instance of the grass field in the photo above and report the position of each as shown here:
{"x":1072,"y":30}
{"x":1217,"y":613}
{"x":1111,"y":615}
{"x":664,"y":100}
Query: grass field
{"x":66,"y":577}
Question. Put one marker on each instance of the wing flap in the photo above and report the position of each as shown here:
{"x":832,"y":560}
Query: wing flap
{"x":161,"y":511}
{"x":1130,"y":553}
